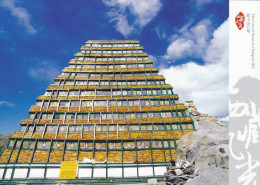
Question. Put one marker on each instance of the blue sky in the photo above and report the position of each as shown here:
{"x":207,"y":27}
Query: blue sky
{"x":187,"y":41}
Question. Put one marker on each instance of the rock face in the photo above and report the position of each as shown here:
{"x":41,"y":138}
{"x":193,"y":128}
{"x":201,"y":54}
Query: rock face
{"x":207,"y":150}
{"x":212,"y":176}
{"x":4,"y":140}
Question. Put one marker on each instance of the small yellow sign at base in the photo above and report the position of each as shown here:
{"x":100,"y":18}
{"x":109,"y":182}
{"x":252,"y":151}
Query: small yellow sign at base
{"x":68,"y":170}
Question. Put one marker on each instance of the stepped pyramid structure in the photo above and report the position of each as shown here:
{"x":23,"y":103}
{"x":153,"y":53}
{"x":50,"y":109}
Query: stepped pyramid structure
{"x":109,"y":110}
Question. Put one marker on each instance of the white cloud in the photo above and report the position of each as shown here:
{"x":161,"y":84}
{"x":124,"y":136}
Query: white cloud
{"x":142,"y":10}
{"x":153,"y":58}
{"x":203,"y":2}
{"x":160,"y":33}
{"x":217,"y":51}
{"x":122,"y":25}
{"x":199,"y":4}
{"x":180,"y":48}
{"x":145,"y":10}
{"x":190,"y":41}
{"x":206,"y":85}
{"x":44,"y":71}
{"x":8,"y":104}
{"x":20,"y":13}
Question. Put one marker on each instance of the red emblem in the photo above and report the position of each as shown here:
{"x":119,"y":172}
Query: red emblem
{"x":240,"y":19}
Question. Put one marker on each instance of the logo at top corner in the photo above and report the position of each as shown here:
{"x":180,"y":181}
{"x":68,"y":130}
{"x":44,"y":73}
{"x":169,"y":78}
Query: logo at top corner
{"x":240,"y":19}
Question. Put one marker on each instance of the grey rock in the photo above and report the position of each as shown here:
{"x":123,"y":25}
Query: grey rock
{"x":4,"y":140}
{"x":178,"y":172}
{"x":210,"y":176}
{"x":207,"y":150}
{"x":208,"y":145}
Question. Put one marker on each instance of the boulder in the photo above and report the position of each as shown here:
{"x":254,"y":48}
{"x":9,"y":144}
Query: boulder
{"x":178,"y":172}
{"x":210,"y":176}
{"x":4,"y":138}
{"x":207,"y":147}
{"x":207,"y":150}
